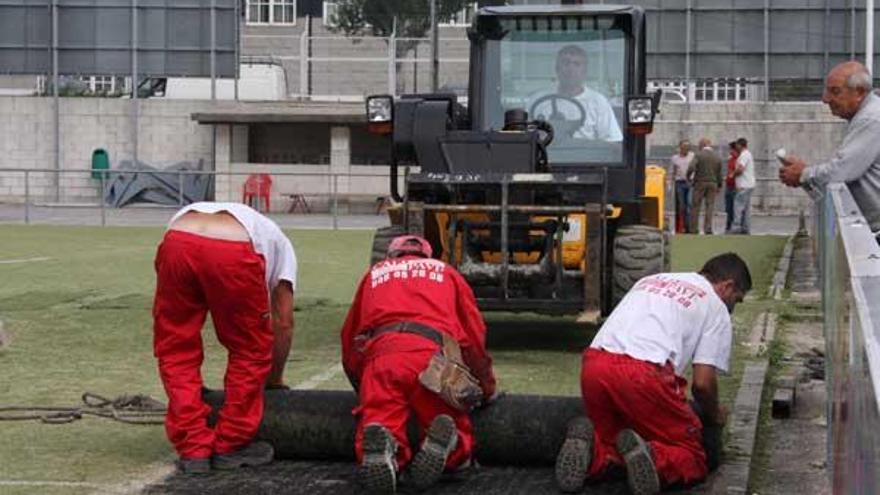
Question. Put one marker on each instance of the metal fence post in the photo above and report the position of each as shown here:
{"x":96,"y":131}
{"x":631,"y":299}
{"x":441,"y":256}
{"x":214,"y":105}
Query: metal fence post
{"x":392,"y":55}
{"x":335,"y":203}
{"x":27,"y":197}
{"x":180,"y":187}
{"x":303,"y":65}
{"x":101,"y":200}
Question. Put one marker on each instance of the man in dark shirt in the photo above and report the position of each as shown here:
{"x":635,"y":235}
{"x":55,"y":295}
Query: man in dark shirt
{"x":706,"y":172}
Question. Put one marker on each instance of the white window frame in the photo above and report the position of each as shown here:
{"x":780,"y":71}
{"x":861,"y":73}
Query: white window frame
{"x":328,"y":17}
{"x":462,"y":18}
{"x":271,"y":21}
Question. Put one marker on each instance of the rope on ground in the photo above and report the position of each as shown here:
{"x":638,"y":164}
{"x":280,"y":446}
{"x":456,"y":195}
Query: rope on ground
{"x":132,"y":409}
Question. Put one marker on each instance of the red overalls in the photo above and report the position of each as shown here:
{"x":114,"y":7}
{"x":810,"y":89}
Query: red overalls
{"x":623,"y":392}
{"x":429,"y":292}
{"x":195,"y":275}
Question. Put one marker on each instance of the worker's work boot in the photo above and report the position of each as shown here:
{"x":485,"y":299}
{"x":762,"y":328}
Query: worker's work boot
{"x":573,"y":460}
{"x":194,"y":465}
{"x":252,"y":454}
{"x":641,"y":473}
{"x":378,"y":470}
{"x":429,"y":462}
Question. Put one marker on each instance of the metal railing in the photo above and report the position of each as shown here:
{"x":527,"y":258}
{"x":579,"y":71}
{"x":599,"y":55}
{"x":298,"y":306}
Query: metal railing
{"x":849,"y":264}
{"x":65,"y":196}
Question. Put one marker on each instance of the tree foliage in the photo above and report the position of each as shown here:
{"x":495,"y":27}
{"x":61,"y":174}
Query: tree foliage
{"x":377,"y":17}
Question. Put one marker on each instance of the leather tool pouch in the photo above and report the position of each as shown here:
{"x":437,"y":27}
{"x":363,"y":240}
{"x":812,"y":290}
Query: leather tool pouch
{"x":448,"y":376}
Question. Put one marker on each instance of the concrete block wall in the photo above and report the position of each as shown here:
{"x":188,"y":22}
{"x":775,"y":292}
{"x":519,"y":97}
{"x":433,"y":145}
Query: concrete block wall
{"x":804,"y":129}
{"x":167,"y":135}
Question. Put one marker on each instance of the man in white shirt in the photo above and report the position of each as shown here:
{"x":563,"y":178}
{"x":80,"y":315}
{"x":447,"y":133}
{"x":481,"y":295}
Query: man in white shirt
{"x":229,"y":260}
{"x":632,"y":379}
{"x":572,"y":101}
{"x":745,"y":185}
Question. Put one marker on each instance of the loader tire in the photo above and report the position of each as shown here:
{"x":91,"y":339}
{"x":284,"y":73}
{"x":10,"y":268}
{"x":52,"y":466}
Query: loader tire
{"x":639,"y":251}
{"x":381,"y":240}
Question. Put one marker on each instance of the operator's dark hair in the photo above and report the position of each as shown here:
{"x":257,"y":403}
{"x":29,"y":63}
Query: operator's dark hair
{"x":571,"y":50}
{"x":742,"y":142}
{"x":728,"y":266}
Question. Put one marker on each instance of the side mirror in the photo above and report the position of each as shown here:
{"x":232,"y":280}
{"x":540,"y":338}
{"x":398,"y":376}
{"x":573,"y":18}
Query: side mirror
{"x":380,"y":114}
{"x":658,"y":96}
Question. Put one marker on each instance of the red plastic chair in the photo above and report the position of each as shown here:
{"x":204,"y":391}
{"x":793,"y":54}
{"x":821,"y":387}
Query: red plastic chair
{"x":257,"y":186}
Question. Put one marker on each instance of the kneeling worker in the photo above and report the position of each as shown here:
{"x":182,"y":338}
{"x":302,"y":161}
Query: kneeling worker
{"x":414,"y":340}
{"x":632,"y":385}
{"x":227,"y":259}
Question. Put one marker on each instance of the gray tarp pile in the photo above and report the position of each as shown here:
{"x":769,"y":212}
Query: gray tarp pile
{"x":141,"y":183}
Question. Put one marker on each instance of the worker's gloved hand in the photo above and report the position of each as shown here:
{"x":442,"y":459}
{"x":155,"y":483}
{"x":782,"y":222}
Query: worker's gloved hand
{"x":276,"y":386}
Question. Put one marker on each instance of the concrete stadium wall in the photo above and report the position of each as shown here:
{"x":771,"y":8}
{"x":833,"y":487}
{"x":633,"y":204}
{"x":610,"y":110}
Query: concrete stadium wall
{"x":807,"y":130}
{"x":168,"y":135}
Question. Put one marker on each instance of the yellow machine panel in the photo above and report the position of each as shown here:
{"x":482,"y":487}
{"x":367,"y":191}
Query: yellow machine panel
{"x":574,"y":241}
{"x":655,"y":187}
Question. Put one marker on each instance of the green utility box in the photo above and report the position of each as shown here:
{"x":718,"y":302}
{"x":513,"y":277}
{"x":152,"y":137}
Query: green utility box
{"x":100,"y":163}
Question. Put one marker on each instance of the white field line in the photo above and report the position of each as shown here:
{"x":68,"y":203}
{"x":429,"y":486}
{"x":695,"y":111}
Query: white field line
{"x":24,"y":260}
{"x":155,"y":473}
{"x":78,"y":484}
{"x":315,"y":380}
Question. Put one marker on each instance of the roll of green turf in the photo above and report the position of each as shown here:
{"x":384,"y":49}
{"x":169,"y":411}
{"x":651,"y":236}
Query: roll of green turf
{"x":516,"y":430}
{"x":521,"y":430}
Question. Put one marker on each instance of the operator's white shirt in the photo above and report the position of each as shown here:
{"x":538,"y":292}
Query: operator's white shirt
{"x":599,"y":123}
{"x":266,"y":237}
{"x":675,"y":317}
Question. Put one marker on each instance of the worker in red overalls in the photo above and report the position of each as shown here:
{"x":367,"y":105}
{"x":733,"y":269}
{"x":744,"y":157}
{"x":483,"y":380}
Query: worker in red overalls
{"x":412,"y":313}
{"x":229,"y":260}
{"x":633,"y":385}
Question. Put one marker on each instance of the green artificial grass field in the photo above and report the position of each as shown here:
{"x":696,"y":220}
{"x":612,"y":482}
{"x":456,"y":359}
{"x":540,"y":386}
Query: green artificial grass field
{"x":76,"y":303}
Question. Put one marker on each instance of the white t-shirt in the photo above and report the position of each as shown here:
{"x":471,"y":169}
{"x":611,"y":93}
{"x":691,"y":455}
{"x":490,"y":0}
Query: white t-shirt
{"x":680,"y":165}
{"x":675,"y":317}
{"x":746,"y":180}
{"x":266,"y":237}
{"x":599,"y":122}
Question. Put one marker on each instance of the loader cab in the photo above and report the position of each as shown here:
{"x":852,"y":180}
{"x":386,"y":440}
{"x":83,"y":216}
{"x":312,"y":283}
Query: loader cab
{"x":575,"y":66}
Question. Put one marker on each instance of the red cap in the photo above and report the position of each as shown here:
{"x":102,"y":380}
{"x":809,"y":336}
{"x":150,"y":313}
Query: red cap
{"x":409,"y":244}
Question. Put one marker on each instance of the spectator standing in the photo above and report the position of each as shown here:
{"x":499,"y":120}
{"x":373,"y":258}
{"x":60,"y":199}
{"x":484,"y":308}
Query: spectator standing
{"x":706,"y":171}
{"x":857,"y":160}
{"x":680,"y":163}
{"x":745,"y":185}
{"x":730,"y":185}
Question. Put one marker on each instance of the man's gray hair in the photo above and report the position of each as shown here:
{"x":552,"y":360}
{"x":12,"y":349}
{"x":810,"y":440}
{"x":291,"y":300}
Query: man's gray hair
{"x":860,"y":80}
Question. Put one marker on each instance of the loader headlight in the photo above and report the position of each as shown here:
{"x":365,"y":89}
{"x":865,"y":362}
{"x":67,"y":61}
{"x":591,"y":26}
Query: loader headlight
{"x":640,"y":114}
{"x":641,"y":110}
{"x":380,"y":115}
{"x":379,"y":109}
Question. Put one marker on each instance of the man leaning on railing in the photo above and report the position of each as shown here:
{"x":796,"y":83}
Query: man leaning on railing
{"x":857,"y":160}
